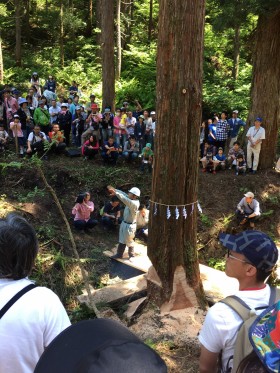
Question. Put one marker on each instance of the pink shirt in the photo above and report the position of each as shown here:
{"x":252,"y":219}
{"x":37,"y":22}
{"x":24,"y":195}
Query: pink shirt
{"x":82,"y":211}
{"x":16,"y":128}
{"x":11,"y":107}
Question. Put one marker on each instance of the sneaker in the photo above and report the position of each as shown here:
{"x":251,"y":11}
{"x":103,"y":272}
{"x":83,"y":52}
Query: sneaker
{"x":236,"y":173}
{"x":85,"y":158}
{"x":249,"y":169}
{"x":254,"y":172}
{"x":204,"y":170}
{"x":131,"y":259}
{"x":229,"y":167}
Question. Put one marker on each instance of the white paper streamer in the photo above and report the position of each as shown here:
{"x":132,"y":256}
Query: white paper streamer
{"x":199,"y":207}
{"x":177,"y":213}
{"x":168,"y":213}
{"x":185,"y":213}
{"x":192,"y":209}
{"x":155,"y":209}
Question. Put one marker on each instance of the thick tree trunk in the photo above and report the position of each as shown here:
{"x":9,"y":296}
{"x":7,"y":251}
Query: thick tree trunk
{"x":1,"y":62}
{"x":89,"y":18}
{"x":265,"y":92}
{"x":18,"y":15}
{"x":61,"y":35}
{"x":119,"y":41}
{"x":108,"y":66}
{"x":235,"y":70}
{"x":27,"y":21}
{"x":174,"y":282}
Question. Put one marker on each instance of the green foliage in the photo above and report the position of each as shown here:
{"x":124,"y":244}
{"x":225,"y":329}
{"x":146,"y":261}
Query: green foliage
{"x":217,"y":263}
{"x":206,"y":220}
{"x":31,"y":196}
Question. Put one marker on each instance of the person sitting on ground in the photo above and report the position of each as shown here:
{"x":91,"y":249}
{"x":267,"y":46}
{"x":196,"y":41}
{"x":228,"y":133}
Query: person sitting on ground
{"x":35,"y":141}
{"x":37,"y":316}
{"x":251,"y":258}
{"x":82,"y":210}
{"x":131,"y":149}
{"x":50,"y":84}
{"x":110,"y":151}
{"x":73,"y":89}
{"x":90,"y":148}
{"x":57,"y":138}
{"x":240,"y":165}
{"x":147,"y":157}
{"x":111,"y":214}
{"x":15,"y":127}
{"x":248,"y":209}
{"x":233,"y":153}
{"x":219,"y":161}
{"x":128,"y":225}
{"x":142,"y":221}
{"x":4,"y":137}
{"x":208,"y":153}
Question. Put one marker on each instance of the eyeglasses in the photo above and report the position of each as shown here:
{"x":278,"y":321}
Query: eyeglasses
{"x":233,"y":257}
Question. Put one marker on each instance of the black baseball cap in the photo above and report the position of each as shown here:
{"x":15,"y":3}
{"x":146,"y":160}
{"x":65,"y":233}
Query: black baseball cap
{"x":101,"y":346}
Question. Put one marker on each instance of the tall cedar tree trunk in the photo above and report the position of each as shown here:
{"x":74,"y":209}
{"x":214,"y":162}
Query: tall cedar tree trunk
{"x":174,"y":280}
{"x":1,"y":61}
{"x":235,"y":70}
{"x":18,"y":15}
{"x":98,"y":7}
{"x":119,"y":41}
{"x":265,"y":92}
{"x":61,"y":35}
{"x":150,"y":22}
{"x":26,"y":19}
{"x":108,"y":68}
{"x":89,"y":18}
{"x":131,"y":16}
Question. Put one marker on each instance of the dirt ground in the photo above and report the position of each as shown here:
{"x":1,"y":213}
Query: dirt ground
{"x":23,"y":190}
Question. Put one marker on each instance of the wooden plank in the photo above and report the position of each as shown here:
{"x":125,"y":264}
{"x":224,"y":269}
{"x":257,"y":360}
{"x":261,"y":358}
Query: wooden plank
{"x":140,"y":262}
{"x":133,"y":307}
{"x":118,"y":291}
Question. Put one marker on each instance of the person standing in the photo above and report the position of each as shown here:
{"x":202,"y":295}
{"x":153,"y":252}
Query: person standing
{"x":37,"y":317}
{"x":11,"y":106}
{"x":42,"y":117}
{"x":222,"y":131}
{"x":255,"y":135}
{"x":235,"y":124}
{"x":128,"y":225}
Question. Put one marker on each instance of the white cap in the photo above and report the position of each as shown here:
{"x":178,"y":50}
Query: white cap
{"x":64,"y":104}
{"x":135,"y":191}
{"x":235,"y":111}
{"x":249,"y":194}
{"x":153,"y":112}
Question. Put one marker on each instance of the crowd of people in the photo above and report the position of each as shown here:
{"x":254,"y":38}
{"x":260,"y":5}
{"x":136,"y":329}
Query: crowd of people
{"x":41,"y":115}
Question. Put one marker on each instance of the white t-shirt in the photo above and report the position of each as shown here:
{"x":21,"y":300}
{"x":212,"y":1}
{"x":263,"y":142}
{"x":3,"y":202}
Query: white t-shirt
{"x":256,"y":134}
{"x":219,"y":331}
{"x":54,"y":110}
{"x":33,"y":138}
{"x":29,"y":326}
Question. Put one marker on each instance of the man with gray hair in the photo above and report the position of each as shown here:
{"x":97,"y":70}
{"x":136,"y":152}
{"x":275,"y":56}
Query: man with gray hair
{"x":248,"y":209}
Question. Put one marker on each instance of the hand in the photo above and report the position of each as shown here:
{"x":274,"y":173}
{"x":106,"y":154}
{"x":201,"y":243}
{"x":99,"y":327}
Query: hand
{"x":111,"y":190}
{"x":29,"y":150}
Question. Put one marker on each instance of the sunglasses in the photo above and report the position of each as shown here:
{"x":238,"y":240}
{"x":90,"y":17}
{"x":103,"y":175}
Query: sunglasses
{"x":234,"y":258}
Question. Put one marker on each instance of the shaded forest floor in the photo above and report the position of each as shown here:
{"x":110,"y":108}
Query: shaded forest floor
{"x":22,"y":190}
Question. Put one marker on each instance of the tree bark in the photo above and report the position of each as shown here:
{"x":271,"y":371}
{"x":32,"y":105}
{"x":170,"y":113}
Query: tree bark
{"x":235,"y":70}
{"x":89,"y":19}
{"x":18,"y":15}
{"x":172,"y":242}
{"x":265,"y":91}
{"x":98,"y":15}
{"x":108,"y":66}
{"x":150,"y":22}
{"x":61,"y":35}
{"x":119,"y":41}
{"x":1,"y":61}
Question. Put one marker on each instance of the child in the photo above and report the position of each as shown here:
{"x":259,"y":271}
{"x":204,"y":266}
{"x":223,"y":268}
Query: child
{"x":15,"y":127}
{"x":208,"y":154}
{"x":3,"y":137}
{"x":240,"y":165}
{"x":219,"y":160}
{"x":147,"y":157}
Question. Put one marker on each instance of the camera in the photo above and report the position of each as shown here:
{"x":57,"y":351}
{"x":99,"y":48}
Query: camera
{"x":80,"y":198}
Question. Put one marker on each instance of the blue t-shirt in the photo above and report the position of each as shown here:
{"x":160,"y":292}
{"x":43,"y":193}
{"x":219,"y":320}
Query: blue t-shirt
{"x":213,"y":129}
{"x":220,"y":157}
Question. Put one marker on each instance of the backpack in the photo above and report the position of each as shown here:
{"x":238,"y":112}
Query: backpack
{"x":243,"y":346}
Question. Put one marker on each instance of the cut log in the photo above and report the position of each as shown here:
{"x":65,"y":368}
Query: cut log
{"x":120,"y":291}
{"x":133,"y":307}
